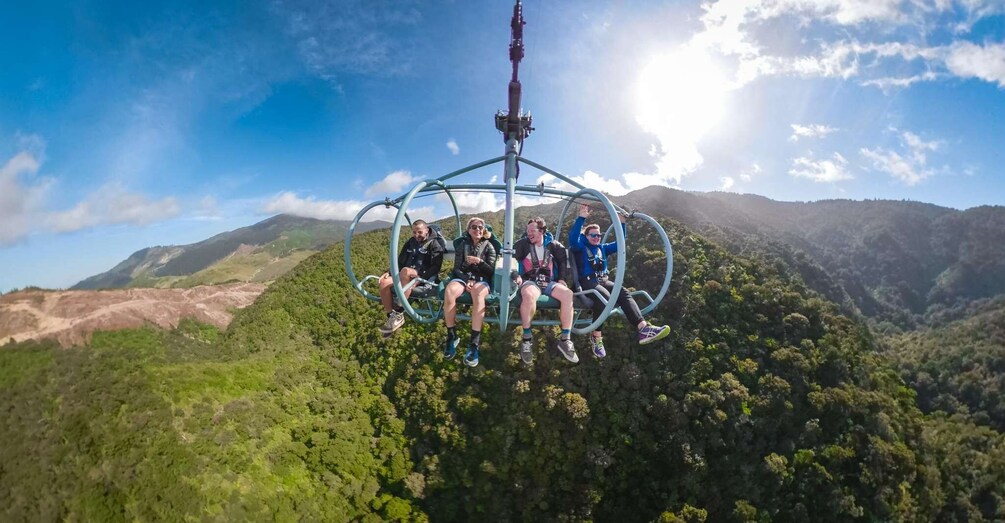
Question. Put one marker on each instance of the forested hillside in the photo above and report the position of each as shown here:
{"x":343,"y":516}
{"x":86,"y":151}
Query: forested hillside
{"x":959,"y":367}
{"x":765,"y":404}
{"x":898,"y":261}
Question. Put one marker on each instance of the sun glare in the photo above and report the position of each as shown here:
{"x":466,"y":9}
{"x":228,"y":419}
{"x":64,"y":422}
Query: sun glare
{"x":681,"y":95}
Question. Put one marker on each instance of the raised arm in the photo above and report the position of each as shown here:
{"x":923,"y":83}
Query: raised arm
{"x":576,"y":239}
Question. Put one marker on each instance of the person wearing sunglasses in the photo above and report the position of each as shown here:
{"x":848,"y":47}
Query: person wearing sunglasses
{"x":420,"y":257}
{"x":474,"y":266}
{"x":543,"y":269}
{"x":591,"y":260}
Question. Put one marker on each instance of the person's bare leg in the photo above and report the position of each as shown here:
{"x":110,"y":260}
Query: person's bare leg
{"x":528,"y":304}
{"x":385,"y":285}
{"x":478,"y":295}
{"x":453,"y":290}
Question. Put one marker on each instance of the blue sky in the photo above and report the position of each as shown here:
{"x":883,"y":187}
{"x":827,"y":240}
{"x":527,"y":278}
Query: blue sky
{"x":125,"y":125}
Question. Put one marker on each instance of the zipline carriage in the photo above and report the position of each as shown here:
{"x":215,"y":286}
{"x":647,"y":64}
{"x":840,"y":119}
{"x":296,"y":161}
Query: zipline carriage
{"x":502,"y":305}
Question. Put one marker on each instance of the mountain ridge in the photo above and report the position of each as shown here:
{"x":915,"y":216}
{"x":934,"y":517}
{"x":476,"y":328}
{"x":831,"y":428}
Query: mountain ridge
{"x":896,"y":262}
{"x":276,"y":238}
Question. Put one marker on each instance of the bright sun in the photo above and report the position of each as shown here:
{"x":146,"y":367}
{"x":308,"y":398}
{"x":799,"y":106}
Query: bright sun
{"x":681,"y":95}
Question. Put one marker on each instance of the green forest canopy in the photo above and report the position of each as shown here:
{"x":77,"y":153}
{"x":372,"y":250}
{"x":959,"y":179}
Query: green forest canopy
{"x":765,"y":404}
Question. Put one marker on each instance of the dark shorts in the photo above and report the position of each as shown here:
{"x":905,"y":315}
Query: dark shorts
{"x":465,"y":283}
{"x":547,"y":290}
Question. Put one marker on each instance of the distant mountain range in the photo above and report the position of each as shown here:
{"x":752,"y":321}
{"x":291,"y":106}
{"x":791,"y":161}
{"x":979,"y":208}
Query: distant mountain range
{"x":899,"y":261}
{"x":257,"y":253}
{"x":894,"y":261}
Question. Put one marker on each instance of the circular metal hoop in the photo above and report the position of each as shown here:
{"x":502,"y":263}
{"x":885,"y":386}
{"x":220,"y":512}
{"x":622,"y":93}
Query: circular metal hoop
{"x":428,"y":316}
{"x":347,"y":247}
{"x":619,"y":279}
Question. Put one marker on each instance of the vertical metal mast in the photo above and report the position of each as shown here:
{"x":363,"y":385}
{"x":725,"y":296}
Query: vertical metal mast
{"x":515,"y":127}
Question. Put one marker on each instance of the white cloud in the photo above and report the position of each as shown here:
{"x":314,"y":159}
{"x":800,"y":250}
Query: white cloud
{"x":20,"y":201}
{"x":895,"y":165}
{"x":889,"y":83}
{"x":747,"y":175}
{"x":111,"y":205}
{"x":821,"y":171}
{"x":909,"y":166}
{"x":810,"y":131}
{"x":590,"y":180}
{"x":919,"y":146}
{"x":454,"y":148}
{"x":733,"y":27}
{"x":978,"y":9}
{"x":289,"y":203}
{"x":727,"y":183}
{"x":392,"y":184}
{"x":987,"y":62}
{"x":635,"y":181}
{"x":474,"y":202}
{"x":679,"y":113}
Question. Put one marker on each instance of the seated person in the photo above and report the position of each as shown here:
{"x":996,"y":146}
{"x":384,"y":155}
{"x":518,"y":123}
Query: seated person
{"x":421,"y":257}
{"x":474,"y":266}
{"x":591,"y":260}
{"x":543,"y":269}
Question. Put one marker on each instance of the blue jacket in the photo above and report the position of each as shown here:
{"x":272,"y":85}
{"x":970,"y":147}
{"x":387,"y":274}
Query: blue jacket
{"x":585,"y":253}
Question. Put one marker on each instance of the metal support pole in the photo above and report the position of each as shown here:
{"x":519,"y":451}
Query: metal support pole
{"x":507,"y":254}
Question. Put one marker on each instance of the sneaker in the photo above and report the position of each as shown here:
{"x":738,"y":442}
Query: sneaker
{"x":471,"y":358}
{"x":388,"y":326}
{"x":567,"y":350}
{"x":527,"y":350}
{"x":450,"y":350}
{"x":651,"y":333}
{"x":396,"y":319}
{"x":597,"y":342}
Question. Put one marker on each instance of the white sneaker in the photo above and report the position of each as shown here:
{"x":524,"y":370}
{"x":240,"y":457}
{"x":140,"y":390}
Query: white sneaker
{"x":396,"y":319}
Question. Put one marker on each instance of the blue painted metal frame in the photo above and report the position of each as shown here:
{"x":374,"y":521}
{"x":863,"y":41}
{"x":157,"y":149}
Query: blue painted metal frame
{"x":501,"y":305}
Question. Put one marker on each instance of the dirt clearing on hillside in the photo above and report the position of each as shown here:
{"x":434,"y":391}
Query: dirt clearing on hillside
{"x":71,"y":316}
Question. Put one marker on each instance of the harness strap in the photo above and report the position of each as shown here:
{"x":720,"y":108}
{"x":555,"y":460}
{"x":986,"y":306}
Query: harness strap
{"x":537,"y":264}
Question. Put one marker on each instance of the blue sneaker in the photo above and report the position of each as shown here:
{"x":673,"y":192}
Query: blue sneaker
{"x":450,"y":350}
{"x":597,"y":343}
{"x":651,"y":333}
{"x":471,"y":358}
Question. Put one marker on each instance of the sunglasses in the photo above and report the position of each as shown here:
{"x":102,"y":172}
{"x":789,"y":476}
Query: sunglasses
{"x":594,"y":235}
{"x":476,"y":227}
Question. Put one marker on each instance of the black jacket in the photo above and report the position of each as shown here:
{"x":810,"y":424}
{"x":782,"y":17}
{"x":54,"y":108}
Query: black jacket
{"x":481,"y":271}
{"x":426,"y":257}
{"x":559,"y":260}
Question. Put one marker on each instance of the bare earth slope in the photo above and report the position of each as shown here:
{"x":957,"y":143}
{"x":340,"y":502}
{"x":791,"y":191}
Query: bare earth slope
{"x":71,"y":316}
